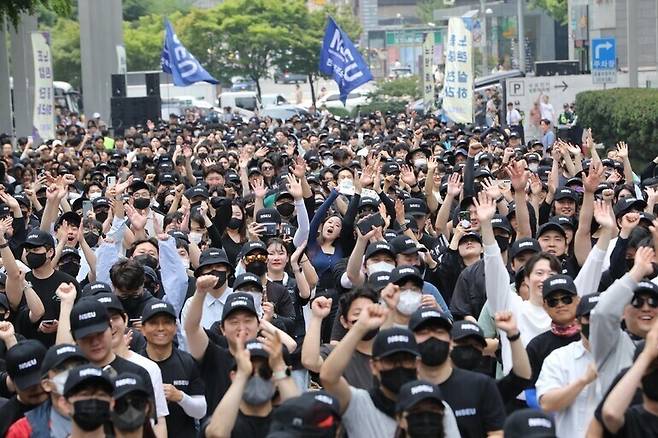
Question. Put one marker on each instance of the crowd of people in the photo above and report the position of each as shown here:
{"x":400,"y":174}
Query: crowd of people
{"x":389,"y":275}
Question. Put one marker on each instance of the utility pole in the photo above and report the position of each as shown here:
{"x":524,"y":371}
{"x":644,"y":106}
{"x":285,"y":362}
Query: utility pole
{"x":520,"y":9}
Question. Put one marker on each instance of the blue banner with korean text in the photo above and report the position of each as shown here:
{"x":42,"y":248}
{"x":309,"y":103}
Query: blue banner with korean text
{"x":181,"y":64}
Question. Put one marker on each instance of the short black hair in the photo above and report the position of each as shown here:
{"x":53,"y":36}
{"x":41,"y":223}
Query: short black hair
{"x":127,"y":275}
{"x":348,"y":298}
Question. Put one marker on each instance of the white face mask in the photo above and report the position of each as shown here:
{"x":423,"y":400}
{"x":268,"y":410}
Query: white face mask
{"x":380,"y":267}
{"x":195,"y":237}
{"x":409,"y":301}
{"x":327,"y":162}
{"x":420,"y":162}
{"x":533,"y":167}
{"x":186,"y":262}
{"x":258,"y":301}
{"x":59,"y":381}
{"x":93,"y":196}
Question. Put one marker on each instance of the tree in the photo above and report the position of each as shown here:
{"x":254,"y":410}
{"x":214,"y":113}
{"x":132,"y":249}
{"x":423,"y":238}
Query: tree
{"x":133,"y":10}
{"x":142,"y":40}
{"x":558,"y":9}
{"x":65,"y":46}
{"x":426,"y":9}
{"x":12,"y":9}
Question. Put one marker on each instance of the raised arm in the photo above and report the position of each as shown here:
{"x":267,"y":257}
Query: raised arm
{"x":622,"y":152}
{"x":506,"y":321}
{"x":442,"y":218}
{"x":319,"y":216}
{"x":519,"y":179}
{"x":432,"y":202}
{"x":14,"y":284}
{"x":553,"y":393}
{"x":582,"y":238}
{"x":311,"y":358}
{"x":66,"y":292}
{"x":354,"y":263}
{"x":172,"y":271}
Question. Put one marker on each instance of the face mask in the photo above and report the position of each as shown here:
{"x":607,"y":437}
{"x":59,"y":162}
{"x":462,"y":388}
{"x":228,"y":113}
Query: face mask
{"x":93,"y":196}
{"x":327,"y":162}
{"x":59,"y":381}
{"x":221,"y":278}
{"x":195,"y":237}
{"x":533,"y":167}
{"x":101,"y":216}
{"x":650,"y":385}
{"x":424,"y":424}
{"x":257,"y":268}
{"x":393,"y":379}
{"x":186,"y":262}
{"x":129,"y":420}
{"x":35,"y":260}
{"x":71,"y":268}
{"x":147,"y":260}
{"x":91,"y":239}
{"x":409,"y":302}
{"x":141,"y":203}
{"x":466,"y":357}
{"x":203,"y":155}
{"x":235,"y":223}
{"x":90,"y":414}
{"x":433,"y":352}
{"x":503,"y":243}
{"x":380,"y":267}
{"x":584,"y":329}
{"x":258,"y":391}
{"x":420,"y":162}
{"x":286,"y":209}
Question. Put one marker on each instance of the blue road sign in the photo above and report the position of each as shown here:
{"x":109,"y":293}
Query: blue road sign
{"x":604,"y":54}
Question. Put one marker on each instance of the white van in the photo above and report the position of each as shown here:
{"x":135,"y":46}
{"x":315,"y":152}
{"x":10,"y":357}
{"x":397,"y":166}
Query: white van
{"x":245,"y":103}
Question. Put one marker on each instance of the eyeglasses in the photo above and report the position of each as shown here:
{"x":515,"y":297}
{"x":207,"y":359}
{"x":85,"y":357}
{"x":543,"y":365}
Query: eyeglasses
{"x":638,"y":302}
{"x":554,"y":301}
{"x":267,"y":168}
{"x":255,"y":258}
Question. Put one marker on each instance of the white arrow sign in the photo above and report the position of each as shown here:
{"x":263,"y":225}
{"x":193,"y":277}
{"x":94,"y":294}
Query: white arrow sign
{"x":597,"y":51}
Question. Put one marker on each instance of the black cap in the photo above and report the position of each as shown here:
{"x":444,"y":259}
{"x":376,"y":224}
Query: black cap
{"x":366,"y":201}
{"x":110,"y":301}
{"x":176,"y":234}
{"x":283,"y":193}
{"x":58,"y":354}
{"x":88,"y":316}
{"x":23,"y":200}
{"x":307,"y":413}
{"x":256,"y":349}
{"x":566,"y":192}
{"x":129,"y":383}
{"x":251,"y":246}
{"x":4,"y":210}
{"x":501,"y":222}
{"x":646,"y":286}
{"x":624,"y":205}
{"x":268,"y":215}
{"x":394,"y":340}
{"x":197,"y":191}
{"x":524,"y":245}
{"x":213,"y":256}
{"x":238,"y":301}
{"x":377,"y":247}
{"x":138,"y":184}
{"x":247,"y":278}
{"x":402,"y":274}
{"x":254,"y":170}
{"x":405,"y":245}
{"x":157,"y":307}
{"x":468,"y":329}
{"x":36,"y":238}
{"x":24,"y":361}
{"x":551,"y":226}
{"x":529,"y":423}
{"x":167,"y":177}
{"x":471,"y":235}
{"x":415,"y":207}
{"x":85,"y":375}
{"x":71,"y":217}
{"x":426,"y":315}
{"x":558,"y":283}
{"x":100,"y":202}
{"x":587,"y":304}
{"x":95,"y":288}
{"x":3,"y":279}
{"x":4,"y":302}
{"x":379,"y":280}
{"x":69,"y":251}
{"x":565,"y":221}
{"x":390,"y":167}
{"x":411,"y":393}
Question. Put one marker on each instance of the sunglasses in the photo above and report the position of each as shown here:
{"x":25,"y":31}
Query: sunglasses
{"x":553,"y":302}
{"x":255,"y":258}
{"x":638,"y":302}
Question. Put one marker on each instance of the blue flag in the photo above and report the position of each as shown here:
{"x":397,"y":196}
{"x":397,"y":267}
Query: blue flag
{"x":340,"y":59}
{"x":180,"y":63}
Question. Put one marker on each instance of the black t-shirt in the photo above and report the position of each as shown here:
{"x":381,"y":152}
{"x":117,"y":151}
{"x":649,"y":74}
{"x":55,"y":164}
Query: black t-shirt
{"x":215,"y":367}
{"x":252,"y":427}
{"x":476,"y":402}
{"x":639,"y":423}
{"x":45,"y":289}
{"x":542,"y":345}
{"x":598,"y":413}
{"x":181,"y":370}
{"x":232,"y":249}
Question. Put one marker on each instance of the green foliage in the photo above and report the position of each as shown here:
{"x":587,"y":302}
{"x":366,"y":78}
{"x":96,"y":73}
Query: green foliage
{"x":558,"y":9}
{"x":426,"y":9}
{"x":12,"y":9}
{"x":338,"y":111}
{"x":409,"y":88}
{"x":65,"y":45}
{"x":133,"y":10}
{"x":624,"y":114}
{"x":394,"y":105}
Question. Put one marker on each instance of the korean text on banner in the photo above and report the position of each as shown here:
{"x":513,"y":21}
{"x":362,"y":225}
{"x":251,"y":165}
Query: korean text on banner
{"x":340,"y":59}
{"x":428,"y":72}
{"x":458,"y":82}
{"x":181,"y":64}
{"x":43,"y":117}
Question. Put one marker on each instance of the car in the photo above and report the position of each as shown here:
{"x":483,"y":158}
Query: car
{"x":245,"y":103}
{"x":400,"y":72}
{"x":286,"y":77}
{"x":354,"y":99}
{"x":275,"y":99}
{"x":283,"y":112}
{"x":239,"y":83}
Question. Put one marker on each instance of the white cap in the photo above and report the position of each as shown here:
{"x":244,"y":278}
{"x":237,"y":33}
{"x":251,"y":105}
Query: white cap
{"x":96,"y":116}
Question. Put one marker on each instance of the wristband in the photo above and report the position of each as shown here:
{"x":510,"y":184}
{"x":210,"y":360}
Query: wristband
{"x":514,"y":337}
{"x":499,"y":199}
{"x":4,"y":245}
{"x":281,"y":374}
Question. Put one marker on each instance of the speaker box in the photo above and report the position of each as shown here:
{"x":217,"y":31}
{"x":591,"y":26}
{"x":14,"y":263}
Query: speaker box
{"x":132,"y":111}
{"x":557,"y":68}
{"x":118,"y":86}
{"x":152,"y":84}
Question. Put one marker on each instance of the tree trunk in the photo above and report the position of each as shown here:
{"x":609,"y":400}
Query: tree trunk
{"x":258,"y":89}
{"x":310,"y":81}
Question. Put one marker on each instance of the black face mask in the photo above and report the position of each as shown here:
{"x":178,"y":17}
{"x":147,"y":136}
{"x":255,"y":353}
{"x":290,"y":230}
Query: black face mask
{"x":286,"y":209}
{"x":257,"y":268}
{"x":433,"y":352}
{"x":424,"y":424}
{"x":503,"y":243}
{"x":91,"y":239}
{"x":90,"y":414}
{"x":147,"y":260}
{"x":466,"y":357}
{"x":584,"y":329}
{"x":101,"y":216}
{"x":72,"y":268}
{"x":35,"y":260}
{"x":650,"y":385}
{"x":393,"y":379}
{"x":221,"y":278}
{"x":141,"y":203}
{"x":130,"y":419}
{"x":235,"y":223}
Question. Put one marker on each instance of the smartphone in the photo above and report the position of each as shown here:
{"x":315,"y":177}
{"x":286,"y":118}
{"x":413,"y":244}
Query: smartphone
{"x":132,"y":321}
{"x":366,"y":224}
{"x":48,"y":321}
{"x":269,"y":229}
{"x":111,"y":180}
{"x":465,"y":215}
{"x":86,"y":208}
{"x":288,"y":230}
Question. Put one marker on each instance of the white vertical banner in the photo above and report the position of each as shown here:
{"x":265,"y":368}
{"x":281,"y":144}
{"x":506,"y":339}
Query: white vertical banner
{"x":122,"y":67}
{"x":428,"y":71}
{"x":43,"y":110}
{"x":458,"y":79}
